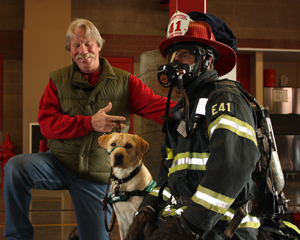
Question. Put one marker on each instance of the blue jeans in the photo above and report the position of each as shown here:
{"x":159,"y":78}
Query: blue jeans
{"x":43,"y":171}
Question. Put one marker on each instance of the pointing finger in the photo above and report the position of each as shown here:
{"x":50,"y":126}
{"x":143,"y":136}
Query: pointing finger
{"x":116,"y":118}
{"x":107,"y":108}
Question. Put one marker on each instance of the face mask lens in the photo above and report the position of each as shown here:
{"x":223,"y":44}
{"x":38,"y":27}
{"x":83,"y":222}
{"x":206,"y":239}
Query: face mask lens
{"x":192,"y":67}
{"x":184,"y":56}
{"x":170,"y":56}
{"x":182,"y":60}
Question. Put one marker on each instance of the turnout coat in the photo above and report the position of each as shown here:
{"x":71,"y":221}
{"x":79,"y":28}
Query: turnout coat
{"x":213,"y":167}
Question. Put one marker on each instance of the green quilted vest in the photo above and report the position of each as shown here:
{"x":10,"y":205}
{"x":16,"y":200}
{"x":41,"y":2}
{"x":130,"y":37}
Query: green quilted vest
{"x":77,"y":96}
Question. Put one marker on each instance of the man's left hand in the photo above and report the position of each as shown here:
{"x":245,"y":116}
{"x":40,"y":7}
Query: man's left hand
{"x":101,"y":122}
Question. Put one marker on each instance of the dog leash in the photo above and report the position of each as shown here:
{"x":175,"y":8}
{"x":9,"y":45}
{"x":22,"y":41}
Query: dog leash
{"x":105,"y":200}
{"x":105,"y":204}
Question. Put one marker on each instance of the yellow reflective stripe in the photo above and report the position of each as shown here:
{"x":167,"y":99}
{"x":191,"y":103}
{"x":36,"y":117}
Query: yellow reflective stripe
{"x":233,"y":124}
{"x":170,"y":154}
{"x":212,"y":200}
{"x":174,"y":212}
{"x":191,"y":161}
{"x":166,"y":193}
{"x":247,"y":222}
{"x":290,"y":225}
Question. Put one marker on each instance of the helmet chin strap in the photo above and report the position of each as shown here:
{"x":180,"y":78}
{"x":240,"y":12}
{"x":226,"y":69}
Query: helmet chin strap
{"x":207,"y":61}
{"x":188,"y":130}
{"x":209,"y":57}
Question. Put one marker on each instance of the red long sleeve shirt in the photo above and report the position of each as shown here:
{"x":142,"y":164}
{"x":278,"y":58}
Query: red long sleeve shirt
{"x":56,"y":125}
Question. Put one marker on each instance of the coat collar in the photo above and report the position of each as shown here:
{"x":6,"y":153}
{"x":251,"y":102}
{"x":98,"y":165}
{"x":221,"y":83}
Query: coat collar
{"x":79,"y":82}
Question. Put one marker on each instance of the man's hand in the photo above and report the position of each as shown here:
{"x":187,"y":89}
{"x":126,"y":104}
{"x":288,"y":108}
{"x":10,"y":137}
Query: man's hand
{"x":174,"y":229}
{"x":142,"y":225}
{"x":101,"y":122}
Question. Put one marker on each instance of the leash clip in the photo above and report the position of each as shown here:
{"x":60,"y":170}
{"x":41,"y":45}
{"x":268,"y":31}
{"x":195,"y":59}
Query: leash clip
{"x":248,"y":206}
{"x":117,"y":188}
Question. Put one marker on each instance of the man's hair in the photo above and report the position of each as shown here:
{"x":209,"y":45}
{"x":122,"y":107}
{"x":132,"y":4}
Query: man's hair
{"x":91,"y":32}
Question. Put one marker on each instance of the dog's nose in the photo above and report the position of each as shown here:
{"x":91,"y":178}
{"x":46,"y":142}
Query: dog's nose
{"x":118,"y":159}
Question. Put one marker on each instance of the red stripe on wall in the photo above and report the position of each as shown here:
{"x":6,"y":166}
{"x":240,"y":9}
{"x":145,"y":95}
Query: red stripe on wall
{"x":1,"y":92}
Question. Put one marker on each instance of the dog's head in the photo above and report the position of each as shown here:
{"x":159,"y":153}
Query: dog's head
{"x":124,"y":149}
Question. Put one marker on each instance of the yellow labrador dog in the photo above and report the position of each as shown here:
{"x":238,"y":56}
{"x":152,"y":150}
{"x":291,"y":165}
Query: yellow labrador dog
{"x":130,"y":180}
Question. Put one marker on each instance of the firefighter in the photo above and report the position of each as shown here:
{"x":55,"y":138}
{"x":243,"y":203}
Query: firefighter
{"x":211,"y":147}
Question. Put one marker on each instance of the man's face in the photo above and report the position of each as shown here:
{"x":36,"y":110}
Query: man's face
{"x":184,"y":56}
{"x":85,"y":52}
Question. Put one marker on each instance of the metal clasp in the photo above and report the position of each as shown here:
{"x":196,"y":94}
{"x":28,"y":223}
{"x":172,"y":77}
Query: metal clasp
{"x":247,"y":206}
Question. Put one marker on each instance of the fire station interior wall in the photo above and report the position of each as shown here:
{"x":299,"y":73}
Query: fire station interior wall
{"x":1,"y":92}
{"x":289,"y":67}
{"x":43,"y":52}
{"x":130,"y":27}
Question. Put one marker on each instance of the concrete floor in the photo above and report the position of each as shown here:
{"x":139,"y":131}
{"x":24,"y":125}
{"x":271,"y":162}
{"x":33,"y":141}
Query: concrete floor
{"x":53,"y":217}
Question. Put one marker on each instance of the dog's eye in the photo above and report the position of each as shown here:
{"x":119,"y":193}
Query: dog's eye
{"x":128,"y":145}
{"x":113,"y":144}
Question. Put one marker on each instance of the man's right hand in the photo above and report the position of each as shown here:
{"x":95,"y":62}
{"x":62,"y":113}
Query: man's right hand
{"x":143,"y":225}
{"x":101,"y":122}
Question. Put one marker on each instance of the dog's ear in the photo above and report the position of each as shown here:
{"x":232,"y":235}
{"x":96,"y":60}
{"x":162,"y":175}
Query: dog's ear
{"x":142,"y":145}
{"x":103,"y":140}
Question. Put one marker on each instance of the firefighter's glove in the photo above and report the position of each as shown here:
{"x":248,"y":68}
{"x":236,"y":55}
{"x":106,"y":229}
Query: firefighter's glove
{"x":143,"y":225}
{"x":174,"y":229}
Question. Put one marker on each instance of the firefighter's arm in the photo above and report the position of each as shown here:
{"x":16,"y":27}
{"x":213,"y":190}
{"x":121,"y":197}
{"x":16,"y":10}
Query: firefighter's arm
{"x":175,"y":229}
{"x":143,"y":224}
{"x":233,"y":156}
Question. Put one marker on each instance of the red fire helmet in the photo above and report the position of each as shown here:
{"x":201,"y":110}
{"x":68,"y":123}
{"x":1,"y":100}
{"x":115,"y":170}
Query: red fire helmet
{"x":183,"y":29}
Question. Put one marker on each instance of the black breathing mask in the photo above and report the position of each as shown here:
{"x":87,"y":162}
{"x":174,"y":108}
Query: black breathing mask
{"x":173,"y":74}
{"x":183,"y":64}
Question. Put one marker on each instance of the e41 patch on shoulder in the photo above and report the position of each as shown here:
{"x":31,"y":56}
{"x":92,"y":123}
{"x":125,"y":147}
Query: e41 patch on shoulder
{"x":222,"y":108}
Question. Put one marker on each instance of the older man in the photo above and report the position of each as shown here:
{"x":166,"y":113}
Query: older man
{"x":81,"y":102}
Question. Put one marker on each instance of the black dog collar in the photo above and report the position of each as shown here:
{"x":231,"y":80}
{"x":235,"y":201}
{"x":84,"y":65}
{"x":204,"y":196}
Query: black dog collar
{"x":113,"y":178}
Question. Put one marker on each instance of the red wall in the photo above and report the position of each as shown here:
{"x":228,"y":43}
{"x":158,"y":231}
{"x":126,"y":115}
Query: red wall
{"x":1,"y":92}
{"x":243,"y":70}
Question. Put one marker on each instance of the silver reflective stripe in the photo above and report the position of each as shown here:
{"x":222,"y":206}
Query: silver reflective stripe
{"x":245,"y":220}
{"x":187,"y":160}
{"x":234,"y":125}
{"x":211,"y":200}
{"x":179,"y":211}
{"x":165,"y":193}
